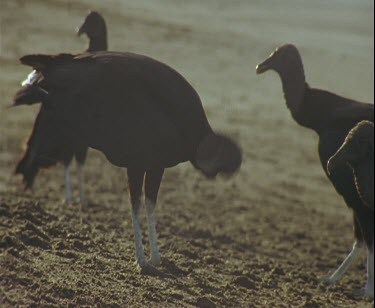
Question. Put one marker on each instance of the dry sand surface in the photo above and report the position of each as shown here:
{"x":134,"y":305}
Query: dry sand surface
{"x":261,"y":239}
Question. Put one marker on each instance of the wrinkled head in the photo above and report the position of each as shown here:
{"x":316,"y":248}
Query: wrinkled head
{"x":218,"y":154}
{"x":282,"y":58}
{"x":94,"y":26}
{"x":358,"y":147}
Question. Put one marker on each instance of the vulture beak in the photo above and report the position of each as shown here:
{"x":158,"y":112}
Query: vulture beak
{"x":262,"y":68}
{"x":81,"y":30}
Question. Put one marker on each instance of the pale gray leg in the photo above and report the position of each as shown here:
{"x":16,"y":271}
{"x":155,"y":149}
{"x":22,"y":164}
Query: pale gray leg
{"x":150,"y":210}
{"x":68,"y":185}
{"x":139,"y":252}
{"x":81,"y":183}
{"x":351,"y":258}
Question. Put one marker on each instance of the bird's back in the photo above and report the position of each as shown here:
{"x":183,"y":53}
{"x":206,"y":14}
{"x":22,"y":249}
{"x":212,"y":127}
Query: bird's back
{"x":324,"y":111}
{"x":138,"y":111}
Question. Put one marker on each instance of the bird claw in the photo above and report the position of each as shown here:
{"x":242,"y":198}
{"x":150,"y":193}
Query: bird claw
{"x":364,"y":294}
{"x":327,"y":281}
{"x":68,"y":201}
{"x":369,"y":293}
{"x":156,"y":261}
{"x":83,"y":202}
{"x":72,"y":201}
{"x":140,"y":263}
{"x":148,"y":269}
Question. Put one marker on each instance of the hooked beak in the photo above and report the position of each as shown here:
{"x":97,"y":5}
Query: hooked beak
{"x":81,"y":30}
{"x":262,"y":68}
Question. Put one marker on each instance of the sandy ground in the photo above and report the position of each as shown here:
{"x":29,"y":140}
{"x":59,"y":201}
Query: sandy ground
{"x":261,"y":239}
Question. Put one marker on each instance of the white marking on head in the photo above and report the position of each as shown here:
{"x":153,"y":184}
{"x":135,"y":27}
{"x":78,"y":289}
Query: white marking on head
{"x":31,"y":78}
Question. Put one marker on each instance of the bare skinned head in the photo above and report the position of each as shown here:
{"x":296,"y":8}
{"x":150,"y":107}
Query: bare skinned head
{"x":94,"y":26}
{"x":282,"y":58}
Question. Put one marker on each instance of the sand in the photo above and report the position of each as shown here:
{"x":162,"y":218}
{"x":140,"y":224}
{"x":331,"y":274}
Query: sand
{"x":261,"y":239}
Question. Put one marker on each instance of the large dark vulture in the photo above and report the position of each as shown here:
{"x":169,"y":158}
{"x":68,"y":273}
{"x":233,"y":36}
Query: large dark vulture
{"x":358,"y":152}
{"x":142,"y":114}
{"x":331,"y":117}
{"x":45,"y":147}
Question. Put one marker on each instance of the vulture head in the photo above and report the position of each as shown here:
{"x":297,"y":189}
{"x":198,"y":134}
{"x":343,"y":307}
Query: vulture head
{"x":281,"y":59}
{"x":358,"y":147}
{"x":94,"y":26}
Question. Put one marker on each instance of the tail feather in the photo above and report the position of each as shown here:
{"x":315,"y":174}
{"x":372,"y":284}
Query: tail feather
{"x":218,"y":154}
{"x":32,"y":91}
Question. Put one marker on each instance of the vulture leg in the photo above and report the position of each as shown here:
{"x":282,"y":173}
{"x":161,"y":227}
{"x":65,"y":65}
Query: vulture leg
{"x":370,"y":267}
{"x":350,"y":259}
{"x":135,"y":178}
{"x":68,"y":184}
{"x":152,"y":185}
{"x":80,"y":156}
{"x":81,"y":182}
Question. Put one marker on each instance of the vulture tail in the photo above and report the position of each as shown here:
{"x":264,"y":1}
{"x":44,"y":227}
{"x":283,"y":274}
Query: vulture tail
{"x":32,"y":92}
{"x":218,"y":154}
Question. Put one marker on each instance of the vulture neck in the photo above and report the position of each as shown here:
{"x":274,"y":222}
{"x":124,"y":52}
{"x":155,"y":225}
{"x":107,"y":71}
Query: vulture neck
{"x":294,"y":85}
{"x":98,"y":43}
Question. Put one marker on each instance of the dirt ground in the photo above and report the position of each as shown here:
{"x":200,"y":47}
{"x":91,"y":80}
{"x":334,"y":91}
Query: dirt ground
{"x":261,"y":239}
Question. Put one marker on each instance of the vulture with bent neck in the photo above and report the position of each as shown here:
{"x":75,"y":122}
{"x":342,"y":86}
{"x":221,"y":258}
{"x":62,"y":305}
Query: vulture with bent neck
{"x":142,"y":114}
{"x":45,"y":147}
{"x":358,"y":152}
{"x":331,"y":117}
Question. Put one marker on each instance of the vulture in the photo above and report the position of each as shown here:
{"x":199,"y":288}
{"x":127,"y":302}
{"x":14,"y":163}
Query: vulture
{"x":140,"y":113}
{"x":45,"y":146}
{"x":358,"y":153}
{"x":332,"y":117}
